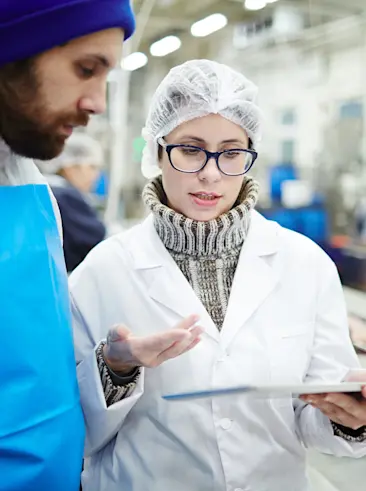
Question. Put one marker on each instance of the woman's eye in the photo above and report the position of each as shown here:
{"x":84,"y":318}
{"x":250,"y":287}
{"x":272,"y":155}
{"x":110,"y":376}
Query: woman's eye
{"x":190,"y":151}
{"x":232,"y":155}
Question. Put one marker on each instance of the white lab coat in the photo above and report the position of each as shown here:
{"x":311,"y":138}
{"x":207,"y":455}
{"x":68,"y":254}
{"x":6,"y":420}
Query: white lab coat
{"x":286,"y":322}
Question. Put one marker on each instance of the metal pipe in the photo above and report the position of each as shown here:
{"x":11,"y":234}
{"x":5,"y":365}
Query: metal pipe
{"x":118,"y":110}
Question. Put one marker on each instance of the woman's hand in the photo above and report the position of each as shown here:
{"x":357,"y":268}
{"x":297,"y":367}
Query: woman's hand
{"x":341,"y":408}
{"x":123,"y":351}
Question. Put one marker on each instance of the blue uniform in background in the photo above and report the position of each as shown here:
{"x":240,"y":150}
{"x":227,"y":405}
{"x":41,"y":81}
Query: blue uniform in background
{"x":82,"y":229}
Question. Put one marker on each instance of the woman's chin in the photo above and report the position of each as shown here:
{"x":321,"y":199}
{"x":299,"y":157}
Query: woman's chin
{"x":202,"y":216}
{"x":199,"y":214}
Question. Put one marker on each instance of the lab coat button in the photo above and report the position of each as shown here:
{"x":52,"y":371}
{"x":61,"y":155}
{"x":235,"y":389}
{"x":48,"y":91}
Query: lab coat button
{"x":226,"y":424}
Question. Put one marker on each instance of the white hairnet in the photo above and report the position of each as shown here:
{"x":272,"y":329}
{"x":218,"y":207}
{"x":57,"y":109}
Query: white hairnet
{"x":80,"y":149}
{"x":195,"y":89}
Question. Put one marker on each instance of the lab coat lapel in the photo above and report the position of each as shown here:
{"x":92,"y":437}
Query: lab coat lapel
{"x":255,"y":277}
{"x":165,"y":282}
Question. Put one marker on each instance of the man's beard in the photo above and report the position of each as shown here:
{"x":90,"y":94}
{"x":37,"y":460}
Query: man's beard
{"x":26,"y":124}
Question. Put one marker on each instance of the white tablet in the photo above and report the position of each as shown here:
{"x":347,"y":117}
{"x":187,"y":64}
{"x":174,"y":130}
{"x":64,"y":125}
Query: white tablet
{"x":268,"y":391}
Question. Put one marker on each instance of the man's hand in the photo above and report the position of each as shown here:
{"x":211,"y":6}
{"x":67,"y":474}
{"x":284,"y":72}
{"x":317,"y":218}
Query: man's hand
{"x":123,"y":351}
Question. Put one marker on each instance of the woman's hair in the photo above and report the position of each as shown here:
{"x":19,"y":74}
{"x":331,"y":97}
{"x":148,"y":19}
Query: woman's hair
{"x":177,"y":99}
{"x":196,"y":89}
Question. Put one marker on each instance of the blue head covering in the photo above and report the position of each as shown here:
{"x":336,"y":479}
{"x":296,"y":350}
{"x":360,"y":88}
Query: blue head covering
{"x":29,"y":27}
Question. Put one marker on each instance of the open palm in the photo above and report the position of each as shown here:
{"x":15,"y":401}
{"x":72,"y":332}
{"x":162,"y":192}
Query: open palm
{"x":124,"y":351}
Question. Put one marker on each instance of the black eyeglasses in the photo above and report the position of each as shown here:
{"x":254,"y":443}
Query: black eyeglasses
{"x":191,"y":159}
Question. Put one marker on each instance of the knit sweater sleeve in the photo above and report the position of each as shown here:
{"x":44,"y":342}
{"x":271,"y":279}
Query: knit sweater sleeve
{"x":348,"y":434}
{"x":115,"y":386}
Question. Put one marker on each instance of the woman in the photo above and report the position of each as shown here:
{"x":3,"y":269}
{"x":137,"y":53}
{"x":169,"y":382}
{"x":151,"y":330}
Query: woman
{"x":269,"y":301}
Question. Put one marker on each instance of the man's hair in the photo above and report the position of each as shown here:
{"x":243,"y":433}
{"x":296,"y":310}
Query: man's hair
{"x":15,"y":75}
{"x":17,"y":68}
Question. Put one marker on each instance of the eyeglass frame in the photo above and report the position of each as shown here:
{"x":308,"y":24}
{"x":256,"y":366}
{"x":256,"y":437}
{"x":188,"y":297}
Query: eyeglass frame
{"x":169,"y":147}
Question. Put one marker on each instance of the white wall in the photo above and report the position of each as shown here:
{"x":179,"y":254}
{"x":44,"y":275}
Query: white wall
{"x":313,"y":82}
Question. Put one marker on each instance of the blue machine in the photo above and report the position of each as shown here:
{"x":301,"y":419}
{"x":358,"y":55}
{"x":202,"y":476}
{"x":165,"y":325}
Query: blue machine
{"x":311,"y":221}
{"x":279,"y":174}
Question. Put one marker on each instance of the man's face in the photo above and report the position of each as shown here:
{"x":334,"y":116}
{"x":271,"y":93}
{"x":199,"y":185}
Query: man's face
{"x":57,"y":91}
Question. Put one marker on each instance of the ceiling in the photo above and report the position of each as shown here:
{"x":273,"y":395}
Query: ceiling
{"x":158,"y":18}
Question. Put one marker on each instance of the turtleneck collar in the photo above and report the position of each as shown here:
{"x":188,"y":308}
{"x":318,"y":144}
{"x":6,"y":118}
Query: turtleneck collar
{"x":212,"y":238}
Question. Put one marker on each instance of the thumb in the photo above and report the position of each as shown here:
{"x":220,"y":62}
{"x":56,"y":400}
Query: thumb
{"x":118,"y":333}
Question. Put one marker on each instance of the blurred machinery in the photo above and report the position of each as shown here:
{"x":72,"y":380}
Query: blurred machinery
{"x":329,"y":207}
{"x":295,"y":205}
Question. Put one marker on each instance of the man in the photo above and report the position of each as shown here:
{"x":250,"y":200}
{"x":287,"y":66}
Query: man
{"x":72,"y":176}
{"x":54,"y":60}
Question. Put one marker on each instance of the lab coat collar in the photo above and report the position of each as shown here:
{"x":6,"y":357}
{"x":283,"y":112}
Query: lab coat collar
{"x":254,"y":279}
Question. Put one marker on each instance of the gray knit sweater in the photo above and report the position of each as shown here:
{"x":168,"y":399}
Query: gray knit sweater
{"x":207,"y":253}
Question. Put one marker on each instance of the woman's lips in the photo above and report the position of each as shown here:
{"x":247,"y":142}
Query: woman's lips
{"x":207,"y":200}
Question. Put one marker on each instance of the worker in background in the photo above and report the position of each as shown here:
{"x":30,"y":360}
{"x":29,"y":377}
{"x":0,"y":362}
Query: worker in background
{"x":74,"y":174}
{"x":54,"y":61}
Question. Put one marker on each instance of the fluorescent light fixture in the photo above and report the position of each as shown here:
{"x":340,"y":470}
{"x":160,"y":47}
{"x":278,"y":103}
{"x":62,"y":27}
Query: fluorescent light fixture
{"x":134,"y":61}
{"x":271,"y":1}
{"x":207,"y":26}
{"x":255,"y":4}
{"x":165,"y":46}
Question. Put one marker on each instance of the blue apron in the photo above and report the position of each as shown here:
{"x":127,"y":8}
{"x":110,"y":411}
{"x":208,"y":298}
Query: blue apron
{"x":41,"y":421}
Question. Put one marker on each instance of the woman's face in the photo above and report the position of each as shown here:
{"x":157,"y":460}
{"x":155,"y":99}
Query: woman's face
{"x":206,"y":194}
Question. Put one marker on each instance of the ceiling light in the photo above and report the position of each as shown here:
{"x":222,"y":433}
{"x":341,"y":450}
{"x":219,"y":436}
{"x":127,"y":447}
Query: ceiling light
{"x":165,"y":46}
{"x":255,"y":4}
{"x":134,"y":61}
{"x":207,"y":26}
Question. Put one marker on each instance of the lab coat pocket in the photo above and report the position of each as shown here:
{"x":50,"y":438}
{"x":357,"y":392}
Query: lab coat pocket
{"x":290,"y":353}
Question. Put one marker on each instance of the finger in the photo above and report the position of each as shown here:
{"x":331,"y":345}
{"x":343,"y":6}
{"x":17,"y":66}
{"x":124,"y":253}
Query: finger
{"x":313,"y":399}
{"x":364,"y":392}
{"x":181,"y":346}
{"x":165,"y":340}
{"x":192,"y":345}
{"x":184,"y":331}
{"x":175,"y":350}
{"x":333,"y":411}
{"x":188,"y":322}
{"x":338,"y":415}
{"x":196,"y":331}
{"x":349,"y":404}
